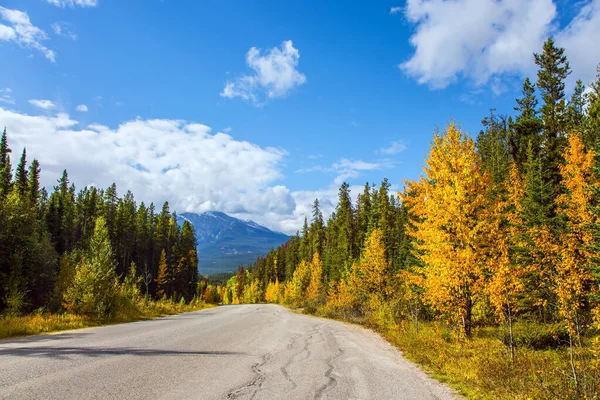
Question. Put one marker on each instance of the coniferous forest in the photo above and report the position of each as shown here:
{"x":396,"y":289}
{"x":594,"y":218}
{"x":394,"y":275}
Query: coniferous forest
{"x":487,"y":269}
{"x":89,"y":252}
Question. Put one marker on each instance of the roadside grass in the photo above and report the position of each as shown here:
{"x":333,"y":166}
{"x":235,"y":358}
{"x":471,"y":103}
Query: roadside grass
{"x":44,"y":322}
{"x":481,"y":367}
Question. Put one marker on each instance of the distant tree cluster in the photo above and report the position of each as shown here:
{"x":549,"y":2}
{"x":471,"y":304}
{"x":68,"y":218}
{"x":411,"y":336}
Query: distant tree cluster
{"x":75,"y":250}
{"x":500,"y":228}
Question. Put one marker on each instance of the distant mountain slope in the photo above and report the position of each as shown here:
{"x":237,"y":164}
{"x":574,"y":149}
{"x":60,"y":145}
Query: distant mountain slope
{"x":225,"y":242}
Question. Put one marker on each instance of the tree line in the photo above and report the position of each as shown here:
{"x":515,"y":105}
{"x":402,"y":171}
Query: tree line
{"x":500,"y":228}
{"x":70,"y":250}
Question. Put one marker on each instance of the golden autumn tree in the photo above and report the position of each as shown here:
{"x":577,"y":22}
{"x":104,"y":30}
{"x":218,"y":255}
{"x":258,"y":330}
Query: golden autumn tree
{"x":573,"y":275}
{"x":163,"y":279}
{"x":505,"y":231}
{"x":273,"y":292}
{"x":449,"y":208}
{"x":569,"y":250}
{"x":314,"y":291}
{"x":296,"y":287}
{"x":368,"y":280}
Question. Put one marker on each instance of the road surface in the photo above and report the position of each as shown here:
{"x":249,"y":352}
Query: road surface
{"x":229,"y":352}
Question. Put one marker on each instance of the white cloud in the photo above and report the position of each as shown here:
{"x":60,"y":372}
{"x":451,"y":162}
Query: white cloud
{"x":23,"y":32}
{"x":578,"y":38}
{"x":7,"y":33}
{"x":6,"y":97}
{"x":158,"y":160}
{"x":64,"y":29}
{"x":346,"y":169}
{"x":274,"y":74}
{"x":492,"y":37}
{"x":81,"y":108}
{"x":73,"y":3}
{"x":395,"y":10}
{"x":43,"y":104}
{"x":395,"y":147}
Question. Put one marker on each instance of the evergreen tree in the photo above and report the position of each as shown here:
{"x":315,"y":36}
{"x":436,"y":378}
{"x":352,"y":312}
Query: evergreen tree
{"x":94,"y":289}
{"x":33,"y":184}
{"x":526,"y":129}
{"x":5,"y":167}
{"x":553,"y":70}
{"x":21,"y":175}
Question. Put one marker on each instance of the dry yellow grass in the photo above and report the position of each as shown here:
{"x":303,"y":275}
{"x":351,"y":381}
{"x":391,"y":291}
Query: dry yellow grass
{"x":39,"y":323}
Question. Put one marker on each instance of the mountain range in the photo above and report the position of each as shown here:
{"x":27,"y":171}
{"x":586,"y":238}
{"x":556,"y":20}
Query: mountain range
{"x":225,"y":242}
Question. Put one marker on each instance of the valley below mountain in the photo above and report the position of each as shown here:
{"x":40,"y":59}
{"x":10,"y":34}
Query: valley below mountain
{"x":225,"y":242}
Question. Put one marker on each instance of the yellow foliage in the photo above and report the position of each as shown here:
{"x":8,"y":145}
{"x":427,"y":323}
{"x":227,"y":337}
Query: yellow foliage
{"x":572,"y":247}
{"x":449,"y":208}
{"x":273,"y":292}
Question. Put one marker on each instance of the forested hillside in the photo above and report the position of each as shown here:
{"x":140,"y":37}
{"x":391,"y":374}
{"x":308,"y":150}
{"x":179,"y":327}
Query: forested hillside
{"x":484,"y":264}
{"x":76,"y":250}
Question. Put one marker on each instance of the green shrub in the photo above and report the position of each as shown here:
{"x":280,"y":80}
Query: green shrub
{"x":538,"y":336}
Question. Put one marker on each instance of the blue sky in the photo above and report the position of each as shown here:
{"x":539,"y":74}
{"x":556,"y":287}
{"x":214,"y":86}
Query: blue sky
{"x":293,"y":97}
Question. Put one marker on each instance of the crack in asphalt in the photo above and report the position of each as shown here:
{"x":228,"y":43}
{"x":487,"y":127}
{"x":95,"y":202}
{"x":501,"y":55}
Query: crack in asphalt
{"x":331,"y":380}
{"x":255,"y":383}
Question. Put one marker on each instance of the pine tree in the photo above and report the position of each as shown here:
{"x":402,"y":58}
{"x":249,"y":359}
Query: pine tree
{"x":5,"y":167}
{"x":21,"y":175}
{"x":576,"y":110}
{"x":525,"y":131}
{"x":33,"y":185}
{"x":493,"y":148}
{"x":363,"y":211}
{"x":553,"y":70}
{"x":317,"y":226}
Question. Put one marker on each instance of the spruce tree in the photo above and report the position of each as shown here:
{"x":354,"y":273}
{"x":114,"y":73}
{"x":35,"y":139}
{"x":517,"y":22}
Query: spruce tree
{"x":33,"y":184}
{"x":21,"y":175}
{"x":527,"y":126}
{"x":5,"y":167}
{"x":553,"y":70}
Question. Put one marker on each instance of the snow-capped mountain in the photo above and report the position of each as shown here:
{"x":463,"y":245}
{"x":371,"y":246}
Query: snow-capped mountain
{"x":224,"y":242}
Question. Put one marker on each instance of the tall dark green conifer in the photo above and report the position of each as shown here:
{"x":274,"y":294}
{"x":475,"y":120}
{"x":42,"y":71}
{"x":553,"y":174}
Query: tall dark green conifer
{"x":21,"y":175}
{"x":553,"y":71}
{"x":5,"y":167}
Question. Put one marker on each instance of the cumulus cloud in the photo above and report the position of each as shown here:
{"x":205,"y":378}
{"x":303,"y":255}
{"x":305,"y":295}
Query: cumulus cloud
{"x":495,"y":38}
{"x":73,"y":3}
{"x":394,"y":148}
{"x":64,"y":29}
{"x":578,"y":38}
{"x":23,"y":32}
{"x":395,"y":10}
{"x":43,"y":104}
{"x":157,"y":159}
{"x":475,"y":39}
{"x":81,"y":108}
{"x":274,"y":74}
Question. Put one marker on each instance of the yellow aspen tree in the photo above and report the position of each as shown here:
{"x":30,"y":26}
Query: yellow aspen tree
{"x":369,"y":277}
{"x":505,"y":284}
{"x":296,"y":287}
{"x":315,"y":286}
{"x":449,"y":205}
{"x":573,"y":282}
{"x":273,"y":292}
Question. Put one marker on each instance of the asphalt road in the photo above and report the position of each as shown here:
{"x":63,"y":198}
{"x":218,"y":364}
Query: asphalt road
{"x":229,"y":352}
